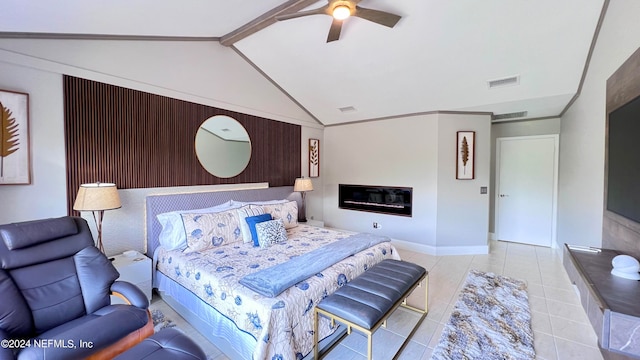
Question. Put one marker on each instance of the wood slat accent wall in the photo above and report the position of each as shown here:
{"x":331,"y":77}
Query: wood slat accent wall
{"x":140,"y":140}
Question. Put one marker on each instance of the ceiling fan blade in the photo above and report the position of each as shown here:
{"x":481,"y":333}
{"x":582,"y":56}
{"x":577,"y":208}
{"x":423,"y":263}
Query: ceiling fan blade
{"x":334,"y":31}
{"x":377,"y":16}
{"x":318,"y":11}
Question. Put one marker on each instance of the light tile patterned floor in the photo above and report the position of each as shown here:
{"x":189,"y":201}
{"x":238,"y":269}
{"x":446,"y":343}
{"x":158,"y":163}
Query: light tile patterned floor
{"x":561,"y":328}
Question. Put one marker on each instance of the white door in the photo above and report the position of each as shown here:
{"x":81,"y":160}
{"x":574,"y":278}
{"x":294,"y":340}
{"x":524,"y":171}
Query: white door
{"x":526,"y":188}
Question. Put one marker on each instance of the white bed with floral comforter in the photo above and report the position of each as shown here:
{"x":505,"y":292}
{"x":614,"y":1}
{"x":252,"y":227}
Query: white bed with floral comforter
{"x":283,"y":325}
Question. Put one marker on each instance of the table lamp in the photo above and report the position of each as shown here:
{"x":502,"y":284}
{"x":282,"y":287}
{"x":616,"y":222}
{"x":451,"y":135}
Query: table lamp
{"x":303,"y":185}
{"x":97,"y":197}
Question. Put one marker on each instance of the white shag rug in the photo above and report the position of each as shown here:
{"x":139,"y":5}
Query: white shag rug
{"x":491,"y":320}
{"x":160,"y":321}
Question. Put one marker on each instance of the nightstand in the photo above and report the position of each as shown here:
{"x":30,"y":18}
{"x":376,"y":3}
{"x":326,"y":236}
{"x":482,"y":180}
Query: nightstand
{"x":135,"y":269}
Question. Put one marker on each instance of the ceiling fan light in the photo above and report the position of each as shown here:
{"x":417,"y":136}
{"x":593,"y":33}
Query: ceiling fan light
{"x":341,"y":12}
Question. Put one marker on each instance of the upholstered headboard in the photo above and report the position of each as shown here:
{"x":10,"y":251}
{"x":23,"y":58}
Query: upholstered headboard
{"x":158,"y":204}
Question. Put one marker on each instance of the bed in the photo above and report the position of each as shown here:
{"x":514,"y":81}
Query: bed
{"x":204,"y":285}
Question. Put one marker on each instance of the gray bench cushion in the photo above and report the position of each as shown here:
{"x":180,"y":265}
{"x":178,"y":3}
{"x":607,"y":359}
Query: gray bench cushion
{"x":368,"y":298}
{"x":167,"y":344}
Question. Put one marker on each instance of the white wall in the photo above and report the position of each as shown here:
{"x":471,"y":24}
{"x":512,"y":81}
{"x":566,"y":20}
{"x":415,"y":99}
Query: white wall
{"x":417,"y":152}
{"x":314,"y":199}
{"x":201,"y":72}
{"x":510,"y":129}
{"x":581,"y":183}
{"x":208,"y":74}
{"x":46,"y":195}
{"x":463,"y":213}
{"x":397,"y":152}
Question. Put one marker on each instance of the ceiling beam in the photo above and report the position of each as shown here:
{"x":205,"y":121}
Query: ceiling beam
{"x":78,"y":36}
{"x":264,"y":20}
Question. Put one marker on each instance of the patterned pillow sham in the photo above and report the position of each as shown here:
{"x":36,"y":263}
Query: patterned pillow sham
{"x":271,"y":232}
{"x":243,"y":213}
{"x":172,"y":235}
{"x":205,"y":231}
{"x":288,"y":212}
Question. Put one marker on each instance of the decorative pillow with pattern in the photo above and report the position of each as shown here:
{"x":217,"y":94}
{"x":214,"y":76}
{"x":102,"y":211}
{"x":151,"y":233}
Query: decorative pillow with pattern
{"x":205,"y":231}
{"x":243,"y":213}
{"x":172,"y":235}
{"x":288,"y":212}
{"x":271,"y":232}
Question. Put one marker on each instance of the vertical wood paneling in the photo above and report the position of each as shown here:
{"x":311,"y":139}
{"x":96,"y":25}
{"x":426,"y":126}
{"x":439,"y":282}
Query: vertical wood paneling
{"x":140,"y":140}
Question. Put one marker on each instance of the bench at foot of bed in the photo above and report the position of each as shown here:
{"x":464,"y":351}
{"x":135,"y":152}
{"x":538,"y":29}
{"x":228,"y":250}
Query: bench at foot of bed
{"x":366,"y":302}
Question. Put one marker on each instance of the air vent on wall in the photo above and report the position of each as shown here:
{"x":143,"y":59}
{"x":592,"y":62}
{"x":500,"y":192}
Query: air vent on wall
{"x":508,"y":116}
{"x":347,"y":109}
{"x":511,"y":80}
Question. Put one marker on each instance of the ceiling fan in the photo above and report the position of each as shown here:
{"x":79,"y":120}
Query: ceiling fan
{"x":341,"y":10}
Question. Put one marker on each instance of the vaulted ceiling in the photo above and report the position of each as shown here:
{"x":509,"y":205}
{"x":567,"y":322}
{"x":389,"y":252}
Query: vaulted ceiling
{"x":440,"y":56}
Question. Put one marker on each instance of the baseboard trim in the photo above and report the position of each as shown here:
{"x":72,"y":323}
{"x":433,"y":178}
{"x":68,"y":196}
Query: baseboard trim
{"x":441,"y":250}
{"x":411,"y":246}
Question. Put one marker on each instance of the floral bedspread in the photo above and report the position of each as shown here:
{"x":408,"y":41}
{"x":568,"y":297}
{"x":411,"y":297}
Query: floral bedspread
{"x":282,"y":325}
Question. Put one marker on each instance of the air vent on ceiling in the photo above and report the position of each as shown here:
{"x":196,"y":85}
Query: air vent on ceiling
{"x":509,"y":116}
{"x":511,"y":80}
{"x":347,"y":109}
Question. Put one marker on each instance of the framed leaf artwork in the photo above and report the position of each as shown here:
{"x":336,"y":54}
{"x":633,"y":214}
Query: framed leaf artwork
{"x":15,"y":167}
{"x":314,"y":158}
{"x":465,"y":155}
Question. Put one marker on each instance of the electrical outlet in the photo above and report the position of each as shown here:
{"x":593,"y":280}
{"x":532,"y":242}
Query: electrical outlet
{"x":377,"y":225}
{"x":483,"y":190}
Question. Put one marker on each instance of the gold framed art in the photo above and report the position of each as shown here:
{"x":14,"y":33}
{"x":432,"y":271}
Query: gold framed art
{"x":15,"y":167}
{"x":465,"y":155}
{"x":314,"y":158}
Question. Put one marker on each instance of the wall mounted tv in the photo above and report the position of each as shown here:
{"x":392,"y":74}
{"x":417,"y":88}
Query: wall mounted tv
{"x":623,"y":179}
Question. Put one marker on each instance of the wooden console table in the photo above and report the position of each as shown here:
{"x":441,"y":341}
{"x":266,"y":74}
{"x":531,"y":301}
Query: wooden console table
{"x":612,"y":303}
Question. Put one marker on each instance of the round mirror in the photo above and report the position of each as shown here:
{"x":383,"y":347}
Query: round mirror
{"x":223,"y":146}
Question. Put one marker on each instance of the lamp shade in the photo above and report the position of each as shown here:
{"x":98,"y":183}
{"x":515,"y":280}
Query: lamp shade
{"x":97,"y":196}
{"x":303,"y":184}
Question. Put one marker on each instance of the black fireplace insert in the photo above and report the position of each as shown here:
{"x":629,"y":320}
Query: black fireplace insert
{"x":380,"y":199}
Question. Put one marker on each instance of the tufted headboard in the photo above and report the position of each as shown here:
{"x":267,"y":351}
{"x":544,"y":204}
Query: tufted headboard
{"x":161,"y":203}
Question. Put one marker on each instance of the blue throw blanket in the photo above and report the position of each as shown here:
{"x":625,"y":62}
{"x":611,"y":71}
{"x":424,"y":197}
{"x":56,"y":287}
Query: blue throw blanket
{"x":272,"y":281}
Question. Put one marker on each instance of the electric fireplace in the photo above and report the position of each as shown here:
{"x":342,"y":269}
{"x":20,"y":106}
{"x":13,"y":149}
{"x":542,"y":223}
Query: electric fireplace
{"x":380,"y":199}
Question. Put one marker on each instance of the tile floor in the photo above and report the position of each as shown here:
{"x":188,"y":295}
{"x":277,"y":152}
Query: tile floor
{"x":561,"y":329}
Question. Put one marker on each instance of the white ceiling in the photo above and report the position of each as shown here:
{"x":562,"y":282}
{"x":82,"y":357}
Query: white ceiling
{"x":439,"y":57}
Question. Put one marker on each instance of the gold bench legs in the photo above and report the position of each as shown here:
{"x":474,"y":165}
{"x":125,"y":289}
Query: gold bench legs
{"x":381,"y":322}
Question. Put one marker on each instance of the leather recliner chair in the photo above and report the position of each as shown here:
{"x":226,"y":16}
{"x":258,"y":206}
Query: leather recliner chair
{"x":55,"y":288}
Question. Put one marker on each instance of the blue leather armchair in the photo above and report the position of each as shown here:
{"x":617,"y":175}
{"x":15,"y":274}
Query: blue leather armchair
{"x":55,"y":288}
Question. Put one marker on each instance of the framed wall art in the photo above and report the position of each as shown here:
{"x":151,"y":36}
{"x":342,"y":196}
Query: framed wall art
{"x":15,"y":167}
{"x":465,"y":155}
{"x":314,"y":158}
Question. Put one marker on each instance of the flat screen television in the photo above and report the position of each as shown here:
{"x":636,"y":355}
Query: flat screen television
{"x":623,"y":181}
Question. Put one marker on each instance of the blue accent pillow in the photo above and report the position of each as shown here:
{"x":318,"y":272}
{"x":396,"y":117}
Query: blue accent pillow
{"x":252,"y":221}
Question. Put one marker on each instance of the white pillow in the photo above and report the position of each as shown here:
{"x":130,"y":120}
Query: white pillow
{"x":264,"y":202}
{"x":208,"y":230}
{"x":173,"y":235}
{"x":287,"y":211}
{"x":243,"y":213}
